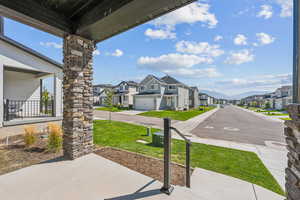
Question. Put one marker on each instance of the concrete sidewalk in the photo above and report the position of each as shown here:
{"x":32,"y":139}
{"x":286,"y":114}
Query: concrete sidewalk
{"x":274,"y":158}
{"x":187,"y":126}
{"x":95,"y":178}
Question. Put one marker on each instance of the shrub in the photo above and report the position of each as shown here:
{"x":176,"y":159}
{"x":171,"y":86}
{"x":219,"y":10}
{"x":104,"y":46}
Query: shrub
{"x":55,"y":138}
{"x":30,"y":136}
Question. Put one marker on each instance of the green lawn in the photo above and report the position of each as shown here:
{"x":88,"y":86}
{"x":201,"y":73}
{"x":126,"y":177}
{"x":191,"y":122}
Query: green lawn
{"x":286,"y":118}
{"x":276,"y":114}
{"x":177,"y":115}
{"x":240,"y":164}
{"x":112,"y":109}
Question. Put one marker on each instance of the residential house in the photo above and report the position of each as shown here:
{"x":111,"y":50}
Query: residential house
{"x":99,"y":92}
{"x":193,"y":97}
{"x":206,"y":100}
{"x":22,"y":71}
{"x":124,"y":92}
{"x":165,"y":93}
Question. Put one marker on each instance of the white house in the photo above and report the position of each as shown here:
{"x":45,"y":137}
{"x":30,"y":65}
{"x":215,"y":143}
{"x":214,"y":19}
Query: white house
{"x":21,"y":73}
{"x":124,"y":92}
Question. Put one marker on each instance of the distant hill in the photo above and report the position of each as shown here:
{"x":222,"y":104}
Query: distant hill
{"x":246,"y":94}
{"x":220,"y":95}
{"x":217,"y":95}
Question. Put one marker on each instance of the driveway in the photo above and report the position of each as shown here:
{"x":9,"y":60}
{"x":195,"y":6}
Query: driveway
{"x":237,"y":125}
{"x":135,"y":119}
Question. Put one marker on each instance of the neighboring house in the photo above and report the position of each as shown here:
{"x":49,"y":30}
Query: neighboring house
{"x":124,"y":93}
{"x":100,"y":94}
{"x":165,"y":93}
{"x":283,"y":102}
{"x":22,"y":71}
{"x":194,"y":97}
{"x":206,"y":100}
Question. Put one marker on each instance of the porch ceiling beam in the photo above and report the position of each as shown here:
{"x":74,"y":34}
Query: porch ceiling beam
{"x":32,"y":14}
{"x":113,"y":17}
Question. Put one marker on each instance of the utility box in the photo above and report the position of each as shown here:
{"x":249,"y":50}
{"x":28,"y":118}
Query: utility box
{"x":158,"y":139}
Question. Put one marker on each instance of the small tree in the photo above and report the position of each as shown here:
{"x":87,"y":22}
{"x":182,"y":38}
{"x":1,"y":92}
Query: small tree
{"x":109,"y":100}
{"x":45,"y":99}
{"x":268,"y":105}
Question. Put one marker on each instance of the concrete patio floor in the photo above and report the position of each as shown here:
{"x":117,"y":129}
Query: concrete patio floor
{"x":94,"y":178}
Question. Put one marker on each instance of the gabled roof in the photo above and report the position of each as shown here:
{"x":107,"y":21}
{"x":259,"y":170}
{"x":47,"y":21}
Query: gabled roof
{"x":130,"y":83}
{"x":170,"y":80}
{"x":104,"y":85}
{"x":30,"y":51}
{"x":150,"y":76}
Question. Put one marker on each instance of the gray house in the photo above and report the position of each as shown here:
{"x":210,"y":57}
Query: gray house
{"x":99,"y":92}
{"x":165,"y":93}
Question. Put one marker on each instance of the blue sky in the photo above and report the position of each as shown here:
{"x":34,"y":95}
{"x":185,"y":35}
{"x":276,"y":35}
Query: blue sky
{"x":229,"y":46}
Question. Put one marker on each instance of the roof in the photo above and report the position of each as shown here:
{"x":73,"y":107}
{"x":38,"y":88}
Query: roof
{"x":130,"y":83}
{"x":170,"y":80}
{"x":104,"y":85}
{"x":30,"y":51}
{"x":96,"y":20}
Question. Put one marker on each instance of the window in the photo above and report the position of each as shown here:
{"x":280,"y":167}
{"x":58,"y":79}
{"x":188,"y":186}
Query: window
{"x":126,"y":87}
{"x":152,"y":87}
{"x":142,"y":88}
{"x":172,"y":87}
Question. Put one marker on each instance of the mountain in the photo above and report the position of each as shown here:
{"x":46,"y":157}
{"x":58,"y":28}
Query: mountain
{"x":215,"y":94}
{"x":220,"y":95}
{"x":246,"y":94}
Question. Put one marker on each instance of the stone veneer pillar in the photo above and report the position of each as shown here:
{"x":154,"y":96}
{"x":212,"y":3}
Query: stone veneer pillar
{"x":292,"y":133}
{"x":78,"y":96}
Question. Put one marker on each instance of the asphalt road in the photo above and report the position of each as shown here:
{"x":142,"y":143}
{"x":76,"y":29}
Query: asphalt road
{"x":234,"y":124}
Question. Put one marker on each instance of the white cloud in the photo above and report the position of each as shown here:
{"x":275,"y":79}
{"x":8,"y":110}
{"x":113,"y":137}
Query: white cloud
{"x":257,"y":83}
{"x":194,"y":73}
{"x":96,"y":52}
{"x":240,"y":57}
{"x":117,"y":53}
{"x":240,"y":39}
{"x":51,"y":44}
{"x":190,"y":14}
{"x":179,"y":65}
{"x":173,"y":61}
{"x":266,"y":12}
{"x":264,"y":38}
{"x":286,"y":7}
{"x":218,"y":38}
{"x":160,"y":34}
{"x":202,"y":48}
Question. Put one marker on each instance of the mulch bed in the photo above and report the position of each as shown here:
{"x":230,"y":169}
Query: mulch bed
{"x":16,"y":156}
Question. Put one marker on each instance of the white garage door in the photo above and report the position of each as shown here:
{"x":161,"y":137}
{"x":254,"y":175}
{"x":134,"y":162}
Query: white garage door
{"x":144,"y":103}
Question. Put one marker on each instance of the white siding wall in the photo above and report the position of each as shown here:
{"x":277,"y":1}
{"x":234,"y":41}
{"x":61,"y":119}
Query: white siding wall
{"x":21,"y":86}
{"x":1,"y":94}
{"x":183,"y":98}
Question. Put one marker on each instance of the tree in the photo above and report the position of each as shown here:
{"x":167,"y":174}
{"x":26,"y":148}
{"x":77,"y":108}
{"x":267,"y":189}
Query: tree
{"x":268,"y":105}
{"x":45,"y":99}
{"x":109,"y":98}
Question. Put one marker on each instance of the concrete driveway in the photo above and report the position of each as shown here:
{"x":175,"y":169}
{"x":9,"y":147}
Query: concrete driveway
{"x":237,"y":125}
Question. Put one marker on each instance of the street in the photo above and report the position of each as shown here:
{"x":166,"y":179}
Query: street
{"x":234,"y":124}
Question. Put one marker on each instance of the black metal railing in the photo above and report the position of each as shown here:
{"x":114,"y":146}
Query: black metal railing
{"x":19,"y":109}
{"x":167,"y":188}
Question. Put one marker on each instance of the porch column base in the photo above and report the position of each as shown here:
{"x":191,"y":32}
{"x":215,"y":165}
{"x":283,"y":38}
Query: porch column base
{"x":292,"y":133}
{"x":78,"y":97}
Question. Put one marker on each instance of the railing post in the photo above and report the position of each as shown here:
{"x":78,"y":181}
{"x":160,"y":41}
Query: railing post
{"x":7,"y":110}
{"x":53,"y":108}
{"x":167,"y":188}
{"x":188,"y":165}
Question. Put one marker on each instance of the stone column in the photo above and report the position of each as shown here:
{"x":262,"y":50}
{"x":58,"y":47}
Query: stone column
{"x":292,"y":133}
{"x":78,"y":96}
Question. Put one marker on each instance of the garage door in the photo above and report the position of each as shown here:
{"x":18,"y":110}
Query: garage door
{"x":144,"y":103}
